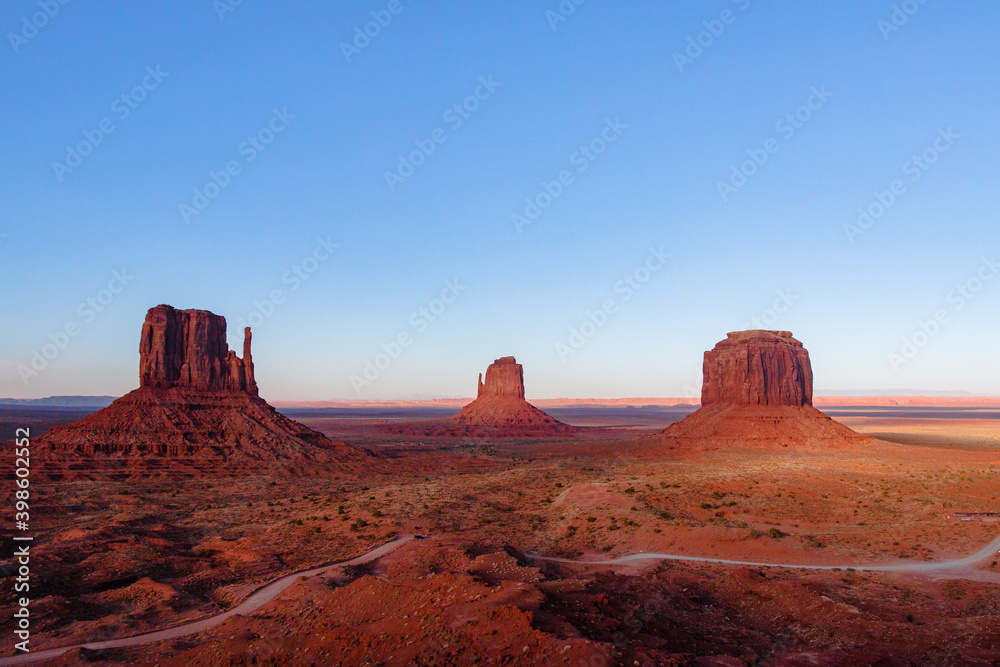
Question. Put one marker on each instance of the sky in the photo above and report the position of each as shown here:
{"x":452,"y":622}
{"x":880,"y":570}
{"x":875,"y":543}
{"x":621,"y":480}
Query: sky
{"x":395,"y":193}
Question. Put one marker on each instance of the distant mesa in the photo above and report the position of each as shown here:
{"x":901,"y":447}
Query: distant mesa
{"x":758,"y":391}
{"x":499,"y":411}
{"x":69,"y":402}
{"x":197,"y":403}
{"x":500,"y":403}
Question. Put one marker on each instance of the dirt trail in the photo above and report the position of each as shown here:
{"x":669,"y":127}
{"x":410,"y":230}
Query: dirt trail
{"x":965,"y":567}
{"x":258,"y":599}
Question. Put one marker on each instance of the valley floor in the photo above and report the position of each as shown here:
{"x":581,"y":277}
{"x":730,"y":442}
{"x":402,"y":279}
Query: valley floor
{"x":119,"y":558}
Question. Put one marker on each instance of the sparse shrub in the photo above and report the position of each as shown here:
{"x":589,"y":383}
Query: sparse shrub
{"x":706,"y":506}
{"x":775,"y":533}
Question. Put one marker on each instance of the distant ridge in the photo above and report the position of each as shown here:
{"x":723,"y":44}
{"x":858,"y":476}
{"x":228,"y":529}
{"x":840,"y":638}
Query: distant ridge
{"x":60,"y":402}
{"x":928,"y":400}
{"x":896,"y":393}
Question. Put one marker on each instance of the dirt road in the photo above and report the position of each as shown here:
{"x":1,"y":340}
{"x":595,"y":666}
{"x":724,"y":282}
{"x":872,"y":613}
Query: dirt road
{"x":258,"y":599}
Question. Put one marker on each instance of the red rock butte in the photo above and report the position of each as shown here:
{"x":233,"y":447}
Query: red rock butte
{"x":188,"y":348}
{"x":758,"y":368}
{"x":196,"y":408}
{"x":758,"y":391}
{"x":500,"y":404}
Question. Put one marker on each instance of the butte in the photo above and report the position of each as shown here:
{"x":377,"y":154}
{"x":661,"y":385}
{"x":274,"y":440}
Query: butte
{"x":196,"y":410}
{"x":757,"y":392}
{"x":500,"y":404}
{"x":499,"y":411}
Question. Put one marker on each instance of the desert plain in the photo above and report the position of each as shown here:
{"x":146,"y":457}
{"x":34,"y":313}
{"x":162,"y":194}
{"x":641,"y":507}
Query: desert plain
{"x":121,"y":552}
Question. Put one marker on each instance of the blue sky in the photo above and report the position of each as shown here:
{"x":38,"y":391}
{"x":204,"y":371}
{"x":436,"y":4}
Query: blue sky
{"x":641,"y":137}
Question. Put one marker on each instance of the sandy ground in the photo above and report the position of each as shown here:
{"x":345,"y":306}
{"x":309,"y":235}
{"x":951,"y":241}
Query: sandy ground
{"x":122,"y":558}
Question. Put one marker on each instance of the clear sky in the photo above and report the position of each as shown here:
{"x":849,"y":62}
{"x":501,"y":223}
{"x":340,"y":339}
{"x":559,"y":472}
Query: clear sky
{"x":668,"y":171}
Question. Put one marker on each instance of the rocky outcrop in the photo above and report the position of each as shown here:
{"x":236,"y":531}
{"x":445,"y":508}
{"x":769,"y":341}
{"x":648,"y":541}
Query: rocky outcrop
{"x":758,"y":368}
{"x":188,"y":348}
{"x":504,"y":378}
{"x":197,"y":408}
{"x":757,"y":392}
{"x":500,"y":404}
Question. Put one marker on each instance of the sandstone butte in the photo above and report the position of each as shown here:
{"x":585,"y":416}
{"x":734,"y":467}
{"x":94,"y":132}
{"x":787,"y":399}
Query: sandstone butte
{"x":758,"y":391}
{"x":197,"y":405}
{"x":500,"y":404}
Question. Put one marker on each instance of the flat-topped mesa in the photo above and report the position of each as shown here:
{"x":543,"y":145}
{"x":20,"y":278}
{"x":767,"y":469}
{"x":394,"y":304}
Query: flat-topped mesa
{"x":757,"y":392}
{"x":504,"y":378}
{"x":188,"y":348}
{"x":766,"y":368}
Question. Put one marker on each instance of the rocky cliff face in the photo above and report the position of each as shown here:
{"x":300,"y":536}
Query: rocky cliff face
{"x":758,"y":368}
{"x":187,"y":348}
{"x":505,"y":378}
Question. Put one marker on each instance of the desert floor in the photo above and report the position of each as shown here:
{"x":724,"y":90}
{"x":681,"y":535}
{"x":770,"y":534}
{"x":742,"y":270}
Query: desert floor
{"x":118,"y":557}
